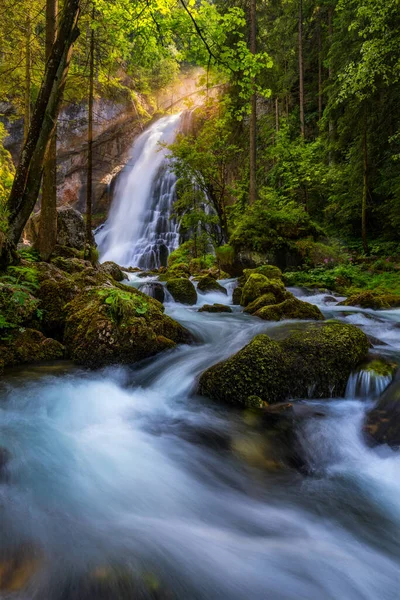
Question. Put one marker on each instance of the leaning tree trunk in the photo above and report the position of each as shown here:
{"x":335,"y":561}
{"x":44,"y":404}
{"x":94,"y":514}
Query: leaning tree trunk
{"x":48,"y":212}
{"x":253,"y":114}
{"x":27,"y":111}
{"x":28,"y":175}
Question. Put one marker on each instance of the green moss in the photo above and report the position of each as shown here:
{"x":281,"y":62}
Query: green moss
{"x":315,"y":362}
{"x":27,"y":346}
{"x":269,"y":271}
{"x":182,"y":290}
{"x":237,"y":295}
{"x":373,"y":300}
{"x":265,"y":300}
{"x":291,"y":308}
{"x":258,"y":285}
{"x":209,"y":284}
{"x":381,"y":367}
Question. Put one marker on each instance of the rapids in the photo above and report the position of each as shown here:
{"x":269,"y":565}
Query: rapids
{"x":127,"y":471}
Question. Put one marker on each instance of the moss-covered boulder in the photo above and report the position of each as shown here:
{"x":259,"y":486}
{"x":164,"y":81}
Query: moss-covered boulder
{"x":314,"y":362}
{"x":27,"y":346}
{"x":182,"y":290}
{"x":237,"y":295}
{"x":269,"y":271}
{"x":292,"y":308}
{"x":215,"y":308}
{"x":209,"y":284}
{"x":258,"y":285}
{"x":373,"y":300}
{"x":109,"y":325}
{"x":71,"y":265}
{"x":111,"y":268}
{"x":265,"y":300}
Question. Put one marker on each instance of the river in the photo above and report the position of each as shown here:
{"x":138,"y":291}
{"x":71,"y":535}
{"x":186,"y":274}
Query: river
{"x":126,"y":473}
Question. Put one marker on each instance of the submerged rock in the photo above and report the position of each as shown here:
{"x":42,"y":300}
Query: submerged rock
{"x":372,"y":300}
{"x":382,"y":425}
{"x":315,"y":361}
{"x":292,"y":308}
{"x":209,"y":284}
{"x":108,"y":325}
{"x":237,"y":295}
{"x":182,"y":290}
{"x":215,"y":308}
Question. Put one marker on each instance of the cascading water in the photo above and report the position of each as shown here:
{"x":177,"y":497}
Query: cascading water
{"x":139,"y":231}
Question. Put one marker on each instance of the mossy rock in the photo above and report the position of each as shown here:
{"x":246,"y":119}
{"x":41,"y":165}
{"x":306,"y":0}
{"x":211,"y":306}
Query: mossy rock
{"x":209,"y":284}
{"x":258,"y":285}
{"x":315,"y":361}
{"x":290,"y":309}
{"x":265,"y":300}
{"x":237,"y":295}
{"x":215,"y":308}
{"x":130,"y":328}
{"x":71,"y":265}
{"x":111,"y":268}
{"x":182,"y":290}
{"x":27,"y":346}
{"x":17,"y":306}
{"x":178,"y":270}
{"x":269,"y":271}
{"x":373,"y":300}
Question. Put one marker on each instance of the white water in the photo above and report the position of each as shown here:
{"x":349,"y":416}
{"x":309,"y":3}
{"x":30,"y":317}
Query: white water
{"x":126,"y":469}
{"x":139,"y":231}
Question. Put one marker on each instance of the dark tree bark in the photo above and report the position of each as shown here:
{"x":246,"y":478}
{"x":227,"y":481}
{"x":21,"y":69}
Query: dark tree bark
{"x":253,"y":115}
{"x":89,"y":184}
{"x":27,"y":108}
{"x":48,"y":212}
{"x":319,"y":69}
{"x":301,"y":70}
{"x":364,"y":190}
{"x":28,"y":175}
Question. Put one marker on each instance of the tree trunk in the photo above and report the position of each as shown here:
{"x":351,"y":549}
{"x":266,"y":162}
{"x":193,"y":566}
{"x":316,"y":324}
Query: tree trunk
{"x":48,"y":212}
{"x":253,"y":115}
{"x":89,"y":184}
{"x":319,"y":69}
{"x":365,"y":191}
{"x":331,"y":125}
{"x":301,"y":70}
{"x":27,"y":179}
{"x":27,"y":111}
{"x":276,"y":114}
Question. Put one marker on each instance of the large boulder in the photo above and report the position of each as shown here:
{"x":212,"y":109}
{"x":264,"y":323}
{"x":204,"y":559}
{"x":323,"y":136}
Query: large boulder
{"x":315,"y":361}
{"x":210,"y":284}
{"x":182,"y":290}
{"x":215,"y":308}
{"x":70,"y":228}
{"x":258,"y":285}
{"x":27,"y":346}
{"x":292,"y":308}
{"x":269,"y":271}
{"x":118,"y":325}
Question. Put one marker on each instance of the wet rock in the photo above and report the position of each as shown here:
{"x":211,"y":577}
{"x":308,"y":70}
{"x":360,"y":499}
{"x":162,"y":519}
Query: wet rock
{"x":18,"y":568}
{"x":382,"y":425}
{"x":154,"y":290}
{"x":320,"y":357}
{"x":237,"y":295}
{"x":109,"y":325}
{"x":70,"y":228}
{"x":209,"y":284}
{"x":182,"y":290}
{"x":329,"y":299}
{"x":27,"y":346}
{"x":269,"y":271}
{"x":258,"y":285}
{"x":265,"y":300}
{"x":215,"y":308}
{"x":290,"y":309}
{"x":5,"y":457}
{"x":114,"y":270}
{"x":373,"y":300}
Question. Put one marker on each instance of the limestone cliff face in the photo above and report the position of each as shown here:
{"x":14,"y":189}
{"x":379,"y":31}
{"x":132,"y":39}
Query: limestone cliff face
{"x":115,"y":128}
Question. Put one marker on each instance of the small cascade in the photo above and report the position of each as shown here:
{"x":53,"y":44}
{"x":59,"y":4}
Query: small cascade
{"x":367,"y":384}
{"x":139,"y":230}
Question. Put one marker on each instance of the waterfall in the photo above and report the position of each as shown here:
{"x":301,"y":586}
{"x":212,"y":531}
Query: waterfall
{"x":367,"y":384}
{"x":139,"y":231}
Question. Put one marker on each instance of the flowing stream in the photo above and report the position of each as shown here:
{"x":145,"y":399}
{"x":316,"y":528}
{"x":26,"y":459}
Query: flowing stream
{"x":124,"y":484}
